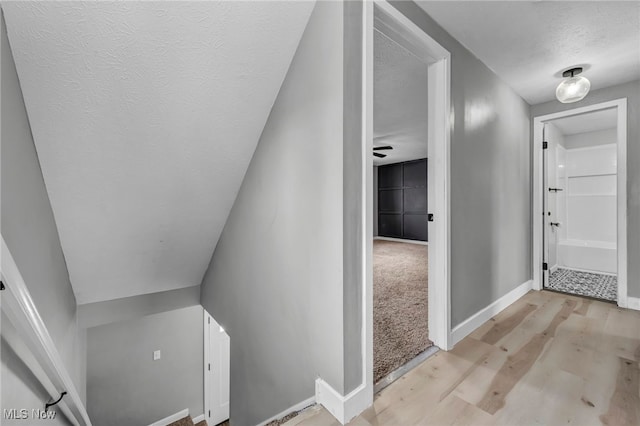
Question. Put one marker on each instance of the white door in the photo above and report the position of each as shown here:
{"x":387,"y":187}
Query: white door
{"x":217,"y":356}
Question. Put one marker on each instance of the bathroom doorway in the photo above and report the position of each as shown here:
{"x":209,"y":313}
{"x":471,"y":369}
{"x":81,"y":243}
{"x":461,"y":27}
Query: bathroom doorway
{"x":583,"y":202}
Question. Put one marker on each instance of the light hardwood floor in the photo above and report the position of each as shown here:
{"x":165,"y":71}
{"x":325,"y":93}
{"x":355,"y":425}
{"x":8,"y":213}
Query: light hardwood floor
{"x":549,"y":359}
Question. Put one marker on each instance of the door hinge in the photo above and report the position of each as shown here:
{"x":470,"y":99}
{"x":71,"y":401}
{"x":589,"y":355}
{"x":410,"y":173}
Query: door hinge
{"x":545,"y":266}
{"x":545,"y":145}
{"x":209,"y":413}
{"x":209,"y":320}
{"x":209,"y":366}
{"x":430,"y":217}
{"x":1,"y":285}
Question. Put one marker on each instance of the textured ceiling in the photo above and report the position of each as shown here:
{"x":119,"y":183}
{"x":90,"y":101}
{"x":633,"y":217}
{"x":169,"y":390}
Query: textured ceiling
{"x":145,"y":116}
{"x":588,"y":122}
{"x":399,"y":102}
{"x":528,"y":44}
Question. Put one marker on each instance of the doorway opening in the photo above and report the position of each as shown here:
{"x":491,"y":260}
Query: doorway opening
{"x":582,"y":197}
{"x":400,"y":247}
{"x":408,"y":149}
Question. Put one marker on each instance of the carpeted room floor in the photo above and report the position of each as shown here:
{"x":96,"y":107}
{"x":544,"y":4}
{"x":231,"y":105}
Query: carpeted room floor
{"x":399,"y":304}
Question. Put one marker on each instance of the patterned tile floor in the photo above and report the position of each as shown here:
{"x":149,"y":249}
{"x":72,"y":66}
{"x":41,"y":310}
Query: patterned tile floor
{"x":590,"y":284}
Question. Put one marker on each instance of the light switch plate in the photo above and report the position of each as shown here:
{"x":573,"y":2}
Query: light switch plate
{"x":156,"y":355}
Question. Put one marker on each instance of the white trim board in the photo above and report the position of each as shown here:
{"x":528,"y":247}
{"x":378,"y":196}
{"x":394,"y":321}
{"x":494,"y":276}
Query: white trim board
{"x":368,"y":17}
{"x":205,"y":358}
{"x":401,"y":240}
{"x":343,"y":408}
{"x":537,"y":250}
{"x":633,"y":303}
{"x":198,"y":419}
{"x":296,"y":407}
{"x":466,"y":327}
{"x":172,"y":418}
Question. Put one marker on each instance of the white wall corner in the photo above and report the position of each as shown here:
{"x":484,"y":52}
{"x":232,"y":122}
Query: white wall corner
{"x":633,"y":303}
{"x":343,"y":408}
{"x":465,"y":328}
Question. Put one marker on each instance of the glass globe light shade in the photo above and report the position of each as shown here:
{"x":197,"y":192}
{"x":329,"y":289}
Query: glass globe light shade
{"x":573,"y":89}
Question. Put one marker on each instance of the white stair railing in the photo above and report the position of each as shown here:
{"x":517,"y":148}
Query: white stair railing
{"x":31,"y":340}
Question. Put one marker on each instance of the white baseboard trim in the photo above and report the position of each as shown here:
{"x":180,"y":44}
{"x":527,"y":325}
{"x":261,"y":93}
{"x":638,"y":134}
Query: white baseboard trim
{"x":172,"y":418}
{"x":297,"y":407}
{"x":198,"y":419}
{"x":400,"y":240}
{"x":633,"y":303}
{"x":465,"y":328}
{"x":343,"y":408}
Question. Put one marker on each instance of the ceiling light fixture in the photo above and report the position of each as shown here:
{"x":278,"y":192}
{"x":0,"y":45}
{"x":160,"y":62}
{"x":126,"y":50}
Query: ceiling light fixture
{"x":574,"y":88}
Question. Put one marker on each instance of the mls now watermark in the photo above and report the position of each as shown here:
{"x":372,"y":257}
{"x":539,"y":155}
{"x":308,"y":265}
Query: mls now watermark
{"x":25,"y":414}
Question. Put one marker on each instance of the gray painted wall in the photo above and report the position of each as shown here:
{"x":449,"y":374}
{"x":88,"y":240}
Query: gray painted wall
{"x":631,"y":91}
{"x":275,"y":279}
{"x":29,"y":229}
{"x":99,"y":313}
{"x":375,"y":201}
{"x":126,"y":387}
{"x":490,"y":179}
{"x":353,"y":228}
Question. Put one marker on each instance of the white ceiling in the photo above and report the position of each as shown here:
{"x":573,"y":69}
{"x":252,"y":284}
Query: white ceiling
{"x":145,"y":116}
{"x":529,"y":43}
{"x":399,"y":102}
{"x":588,"y":122}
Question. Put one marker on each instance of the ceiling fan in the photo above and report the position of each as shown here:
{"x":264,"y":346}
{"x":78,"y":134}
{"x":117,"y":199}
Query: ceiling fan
{"x":381,"y":148}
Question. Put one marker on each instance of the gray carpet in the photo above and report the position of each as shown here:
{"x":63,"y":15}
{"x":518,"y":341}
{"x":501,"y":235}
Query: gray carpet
{"x":399,"y":304}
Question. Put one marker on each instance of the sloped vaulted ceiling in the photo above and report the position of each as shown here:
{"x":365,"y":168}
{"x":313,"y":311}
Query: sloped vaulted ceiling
{"x":145,"y":116}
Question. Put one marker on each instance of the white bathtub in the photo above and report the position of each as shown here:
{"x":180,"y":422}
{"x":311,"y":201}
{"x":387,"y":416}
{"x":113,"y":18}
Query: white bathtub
{"x":596,"y":256}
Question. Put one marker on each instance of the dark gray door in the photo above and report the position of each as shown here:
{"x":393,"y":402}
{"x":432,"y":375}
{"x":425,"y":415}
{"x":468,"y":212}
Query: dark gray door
{"x":402,"y":200}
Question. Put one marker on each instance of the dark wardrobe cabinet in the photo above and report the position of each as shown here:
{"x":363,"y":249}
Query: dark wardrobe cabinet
{"x":402,"y":200}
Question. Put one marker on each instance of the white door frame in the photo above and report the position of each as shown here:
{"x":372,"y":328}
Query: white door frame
{"x":206,"y":361}
{"x":538,"y":124}
{"x":392,"y":22}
